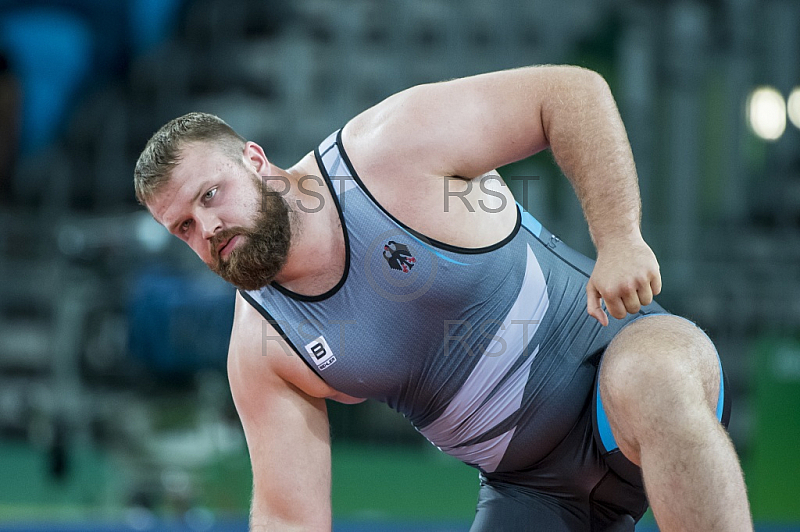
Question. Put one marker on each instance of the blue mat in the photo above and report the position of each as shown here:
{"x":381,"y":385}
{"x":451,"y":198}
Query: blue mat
{"x":240,"y":525}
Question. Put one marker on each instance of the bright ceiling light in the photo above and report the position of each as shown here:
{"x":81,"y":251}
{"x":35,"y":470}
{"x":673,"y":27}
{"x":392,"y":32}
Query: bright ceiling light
{"x":766,"y":113}
{"x":793,"y":107}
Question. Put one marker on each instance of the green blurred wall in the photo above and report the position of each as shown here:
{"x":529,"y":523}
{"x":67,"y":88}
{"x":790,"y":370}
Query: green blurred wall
{"x":773,"y":467}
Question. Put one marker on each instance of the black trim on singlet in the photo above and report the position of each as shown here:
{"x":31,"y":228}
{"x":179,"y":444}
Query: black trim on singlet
{"x":321,"y":297}
{"x":267,"y":316}
{"x":428,"y":240}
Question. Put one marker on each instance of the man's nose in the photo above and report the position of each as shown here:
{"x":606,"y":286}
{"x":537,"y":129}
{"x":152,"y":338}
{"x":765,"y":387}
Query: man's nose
{"x":209,"y":225}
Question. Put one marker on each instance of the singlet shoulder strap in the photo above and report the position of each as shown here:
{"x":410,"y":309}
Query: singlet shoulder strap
{"x":332,"y":160}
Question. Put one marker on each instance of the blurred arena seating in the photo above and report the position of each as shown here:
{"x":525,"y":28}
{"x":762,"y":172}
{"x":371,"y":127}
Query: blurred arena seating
{"x":101,"y":314}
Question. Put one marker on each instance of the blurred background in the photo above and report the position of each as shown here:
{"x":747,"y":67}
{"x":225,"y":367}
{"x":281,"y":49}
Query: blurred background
{"x":115,"y":412}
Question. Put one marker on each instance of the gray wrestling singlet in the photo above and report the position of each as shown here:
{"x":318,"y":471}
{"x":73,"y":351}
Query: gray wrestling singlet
{"x":488,"y":352}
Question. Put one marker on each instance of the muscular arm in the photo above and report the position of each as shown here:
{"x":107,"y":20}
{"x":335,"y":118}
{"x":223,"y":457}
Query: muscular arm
{"x":469,"y":126}
{"x":286,"y":430}
{"x":589,"y":143}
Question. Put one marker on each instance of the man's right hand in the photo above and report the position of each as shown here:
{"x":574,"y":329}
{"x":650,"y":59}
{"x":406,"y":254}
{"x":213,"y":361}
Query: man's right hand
{"x":625,"y":277}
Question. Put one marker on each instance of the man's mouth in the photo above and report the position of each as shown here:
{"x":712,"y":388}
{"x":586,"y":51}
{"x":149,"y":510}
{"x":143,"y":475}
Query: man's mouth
{"x":226,"y":248}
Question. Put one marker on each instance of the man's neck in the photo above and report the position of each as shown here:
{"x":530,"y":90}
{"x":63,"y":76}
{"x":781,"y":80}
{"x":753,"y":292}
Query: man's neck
{"x":316,"y":258}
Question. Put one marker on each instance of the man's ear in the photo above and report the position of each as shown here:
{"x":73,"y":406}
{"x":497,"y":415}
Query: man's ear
{"x":254,"y":156}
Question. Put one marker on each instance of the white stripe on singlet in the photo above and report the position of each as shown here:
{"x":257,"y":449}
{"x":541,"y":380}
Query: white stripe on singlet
{"x":481,"y":404}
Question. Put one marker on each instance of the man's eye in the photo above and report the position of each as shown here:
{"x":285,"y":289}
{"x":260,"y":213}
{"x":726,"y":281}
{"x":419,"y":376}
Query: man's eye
{"x":185,"y":226}
{"x":210,"y":194}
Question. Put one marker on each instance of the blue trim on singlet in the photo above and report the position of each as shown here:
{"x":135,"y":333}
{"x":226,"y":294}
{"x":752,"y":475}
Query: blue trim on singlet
{"x":434,"y":251}
{"x":529,"y":222}
{"x":721,"y":400}
{"x":603,"y":426}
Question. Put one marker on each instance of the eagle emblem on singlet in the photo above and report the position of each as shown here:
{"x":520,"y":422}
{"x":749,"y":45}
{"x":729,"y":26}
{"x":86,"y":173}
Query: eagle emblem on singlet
{"x":398,"y":256}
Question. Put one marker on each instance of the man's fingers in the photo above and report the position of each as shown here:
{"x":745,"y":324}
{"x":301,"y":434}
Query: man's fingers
{"x":655,"y":284}
{"x":616,"y":307}
{"x":594,"y":304}
{"x":621,"y":299}
{"x":630,"y":300}
{"x":645,"y":295}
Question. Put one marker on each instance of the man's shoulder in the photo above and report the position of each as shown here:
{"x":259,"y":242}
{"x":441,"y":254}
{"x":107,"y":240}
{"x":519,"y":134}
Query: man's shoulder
{"x":253,"y":338}
{"x":259,"y":359}
{"x":245,"y":349}
{"x":385,"y":137}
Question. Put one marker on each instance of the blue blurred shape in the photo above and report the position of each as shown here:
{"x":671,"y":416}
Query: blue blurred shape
{"x":152,"y":22}
{"x":180,"y":323}
{"x":51,"y":51}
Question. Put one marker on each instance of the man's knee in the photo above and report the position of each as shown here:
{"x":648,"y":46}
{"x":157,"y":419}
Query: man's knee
{"x":659,"y":374}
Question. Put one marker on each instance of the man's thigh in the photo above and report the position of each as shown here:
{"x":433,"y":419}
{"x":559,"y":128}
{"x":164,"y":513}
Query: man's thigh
{"x":572,"y":488}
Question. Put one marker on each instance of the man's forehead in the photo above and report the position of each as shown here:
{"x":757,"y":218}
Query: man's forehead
{"x":195,"y":153}
{"x":199,"y":158}
{"x":196,"y":162}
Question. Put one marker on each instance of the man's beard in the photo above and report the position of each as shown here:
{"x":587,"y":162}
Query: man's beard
{"x":261,"y":252}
